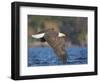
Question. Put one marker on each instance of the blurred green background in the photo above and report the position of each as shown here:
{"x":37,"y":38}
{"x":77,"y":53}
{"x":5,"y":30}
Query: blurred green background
{"x":75,"y":29}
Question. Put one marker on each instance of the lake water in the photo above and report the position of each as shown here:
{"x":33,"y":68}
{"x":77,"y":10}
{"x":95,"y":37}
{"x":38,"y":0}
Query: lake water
{"x":45,"y":56}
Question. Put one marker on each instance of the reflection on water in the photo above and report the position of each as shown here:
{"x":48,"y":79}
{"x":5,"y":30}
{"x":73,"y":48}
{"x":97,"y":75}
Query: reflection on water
{"x":45,"y":56}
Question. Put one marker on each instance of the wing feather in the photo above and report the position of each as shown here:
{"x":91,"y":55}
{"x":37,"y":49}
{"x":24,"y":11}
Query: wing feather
{"x":38,"y":36}
{"x":61,"y":34}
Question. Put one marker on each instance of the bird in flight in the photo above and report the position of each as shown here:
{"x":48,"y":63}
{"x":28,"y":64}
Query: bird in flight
{"x":54,"y":38}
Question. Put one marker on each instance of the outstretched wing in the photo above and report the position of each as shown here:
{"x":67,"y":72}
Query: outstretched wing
{"x":61,"y":34}
{"x":38,"y":36}
{"x":41,"y":35}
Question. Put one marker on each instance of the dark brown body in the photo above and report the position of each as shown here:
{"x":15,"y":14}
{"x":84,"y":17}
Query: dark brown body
{"x":57,"y":43}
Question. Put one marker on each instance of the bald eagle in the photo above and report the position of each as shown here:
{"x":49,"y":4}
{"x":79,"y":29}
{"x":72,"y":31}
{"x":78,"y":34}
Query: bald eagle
{"x":56,"y":41}
{"x":54,"y":38}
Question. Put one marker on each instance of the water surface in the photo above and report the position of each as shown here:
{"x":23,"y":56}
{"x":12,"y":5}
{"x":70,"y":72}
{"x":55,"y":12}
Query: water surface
{"x":45,"y":56}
